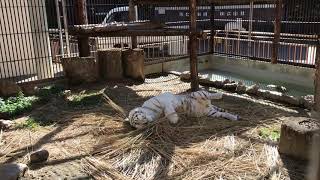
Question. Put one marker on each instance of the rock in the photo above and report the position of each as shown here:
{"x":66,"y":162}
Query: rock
{"x":241,"y":88}
{"x":296,"y":136}
{"x":226,"y":81}
{"x":281,"y":89}
{"x":12,"y":171}
{"x":307,"y":101}
{"x":66,"y":94}
{"x":175,"y":73}
{"x":30,"y":89}
{"x":39,"y":156}
{"x":290,"y":100}
{"x":230,"y":86}
{"x":277,"y":88}
{"x":206,"y":82}
{"x":240,"y":83}
{"x":185,"y":76}
{"x":253,"y":89}
{"x":8,"y":88}
{"x":5,"y":124}
{"x":271,"y":95}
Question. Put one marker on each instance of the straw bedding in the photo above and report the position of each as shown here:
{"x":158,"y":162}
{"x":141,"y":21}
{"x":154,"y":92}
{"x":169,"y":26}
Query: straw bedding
{"x":195,"y":148}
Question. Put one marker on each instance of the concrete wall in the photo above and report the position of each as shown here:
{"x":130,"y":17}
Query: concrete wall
{"x":24,"y":39}
{"x":264,"y":71}
{"x":254,"y":70}
{"x":178,"y":65}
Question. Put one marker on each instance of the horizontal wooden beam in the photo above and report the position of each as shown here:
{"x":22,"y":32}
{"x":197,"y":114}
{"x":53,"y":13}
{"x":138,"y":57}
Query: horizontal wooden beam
{"x":91,"y":32}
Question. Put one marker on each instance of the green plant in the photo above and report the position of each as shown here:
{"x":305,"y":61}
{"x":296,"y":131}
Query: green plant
{"x":45,"y":93}
{"x":270,"y":133}
{"x":29,"y":123}
{"x":83,"y":100}
{"x":16,"y":105}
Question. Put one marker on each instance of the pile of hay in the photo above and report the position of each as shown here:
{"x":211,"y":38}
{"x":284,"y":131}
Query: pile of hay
{"x":195,"y":148}
{"x":190,"y":150}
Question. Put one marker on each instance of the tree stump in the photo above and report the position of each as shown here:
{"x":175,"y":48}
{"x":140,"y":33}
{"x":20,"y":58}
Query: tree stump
{"x":110,"y":63}
{"x":80,"y":69}
{"x":133,"y":63}
{"x":296,"y":137}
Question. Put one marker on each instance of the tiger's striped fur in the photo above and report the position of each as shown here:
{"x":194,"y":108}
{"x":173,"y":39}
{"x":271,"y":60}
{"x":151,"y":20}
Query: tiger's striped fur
{"x":195,"y":104}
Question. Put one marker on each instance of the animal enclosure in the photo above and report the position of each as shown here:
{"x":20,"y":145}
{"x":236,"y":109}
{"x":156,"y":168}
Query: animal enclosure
{"x":110,"y":56}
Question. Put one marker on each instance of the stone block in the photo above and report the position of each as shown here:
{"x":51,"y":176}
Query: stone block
{"x":80,"y":70}
{"x":110,"y":63}
{"x":296,"y":136}
{"x":133,"y":63}
{"x":8,"y":88}
{"x":253,"y":90}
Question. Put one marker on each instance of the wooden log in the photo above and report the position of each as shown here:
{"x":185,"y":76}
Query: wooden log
{"x":133,"y":63}
{"x":317,"y":79}
{"x":277,"y":30}
{"x":125,"y":32}
{"x":80,"y":69}
{"x":193,"y":46}
{"x":82,"y":18}
{"x":296,"y":137}
{"x":110,"y":63}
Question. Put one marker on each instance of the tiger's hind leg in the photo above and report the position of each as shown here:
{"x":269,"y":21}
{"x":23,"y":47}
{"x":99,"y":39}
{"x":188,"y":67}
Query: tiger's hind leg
{"x":215,"y":113}
{"x":206,"y":95}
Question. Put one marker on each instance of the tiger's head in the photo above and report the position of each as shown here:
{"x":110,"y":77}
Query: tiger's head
{"x":138,"y":118}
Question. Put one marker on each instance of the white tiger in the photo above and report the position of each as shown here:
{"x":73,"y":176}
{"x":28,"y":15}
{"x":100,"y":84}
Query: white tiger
{"x":195,"y":104}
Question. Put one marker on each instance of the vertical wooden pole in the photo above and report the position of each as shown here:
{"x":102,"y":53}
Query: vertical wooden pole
{"x":59,"y":27}
{"x":212,"y":26}
{"x":317,"y":78}
{"x":65,"y":24}
{"x":81,"y":19}
{"x":193,"y":46}
{"x":277,"y":29}
{"x":132,"y":17}
{"x":250,"y":28}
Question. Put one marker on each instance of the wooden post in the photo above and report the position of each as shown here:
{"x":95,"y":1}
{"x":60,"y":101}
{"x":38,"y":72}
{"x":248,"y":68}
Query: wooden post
{"x":132,"y":17}
{"x":317,"y":78}
{"x":250,"y":28}
{"x":193,"y":46}
{"x":82,"y":18}
{"x":212,"y":27}
{"x":277,"y":29}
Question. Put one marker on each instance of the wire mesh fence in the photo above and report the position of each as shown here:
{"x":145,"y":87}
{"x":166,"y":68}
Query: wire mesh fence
{"x":34,"y":34}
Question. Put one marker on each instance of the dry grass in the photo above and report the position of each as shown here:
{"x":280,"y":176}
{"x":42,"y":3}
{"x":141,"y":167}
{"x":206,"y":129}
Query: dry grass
{"x":196,"y":148}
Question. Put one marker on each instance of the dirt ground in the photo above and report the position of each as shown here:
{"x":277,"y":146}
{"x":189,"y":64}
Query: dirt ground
{"x":75,"y":132}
